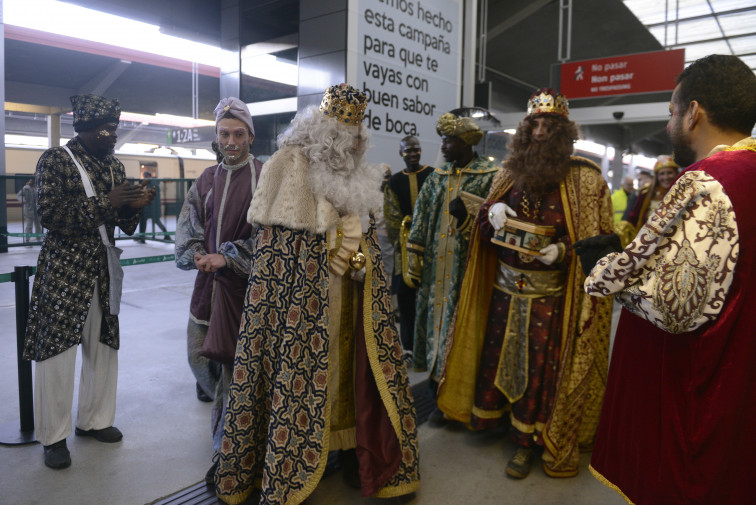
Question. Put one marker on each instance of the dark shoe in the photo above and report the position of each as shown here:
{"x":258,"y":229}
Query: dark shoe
{"x":437,"y":419}
{"x":210,"y":475}
{"x":351,"y":467}
{"x":108,"y":435}
{"x":57,"y":455}
{"x":520,"y":464}
{"x":201,"y":395}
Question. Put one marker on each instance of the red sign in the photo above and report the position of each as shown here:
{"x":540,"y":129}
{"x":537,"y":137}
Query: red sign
{"x":622,"y":75}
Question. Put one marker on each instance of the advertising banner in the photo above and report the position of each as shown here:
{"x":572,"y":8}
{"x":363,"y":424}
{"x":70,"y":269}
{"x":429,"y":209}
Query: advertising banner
{"x":406,"y":55}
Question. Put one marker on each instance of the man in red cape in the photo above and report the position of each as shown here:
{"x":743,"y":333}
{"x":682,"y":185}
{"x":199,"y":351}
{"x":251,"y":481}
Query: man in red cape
{"x":676,"y":425}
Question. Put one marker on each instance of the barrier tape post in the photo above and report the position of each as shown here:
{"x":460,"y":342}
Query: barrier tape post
{"x":8,"y":434}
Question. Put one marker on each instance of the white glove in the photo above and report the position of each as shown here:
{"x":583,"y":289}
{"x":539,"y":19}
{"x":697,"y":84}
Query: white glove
{"x":497,"y":215}
{"x":549,"y":254}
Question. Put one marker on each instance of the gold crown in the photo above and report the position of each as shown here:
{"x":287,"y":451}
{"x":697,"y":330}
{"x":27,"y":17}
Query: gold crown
{"x":344,"y":103}
{"x":548,"y":101}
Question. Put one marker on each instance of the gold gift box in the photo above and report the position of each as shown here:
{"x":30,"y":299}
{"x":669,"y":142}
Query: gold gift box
{"x":523,"y":236}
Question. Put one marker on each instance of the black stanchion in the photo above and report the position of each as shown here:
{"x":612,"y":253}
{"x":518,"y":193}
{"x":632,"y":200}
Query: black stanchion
{"x":10,"y":434}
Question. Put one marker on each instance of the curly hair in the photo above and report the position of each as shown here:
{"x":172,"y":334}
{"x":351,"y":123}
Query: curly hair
{"x":540,"y":167}
{"x":336,"y":151}
{"x":725,"y":87}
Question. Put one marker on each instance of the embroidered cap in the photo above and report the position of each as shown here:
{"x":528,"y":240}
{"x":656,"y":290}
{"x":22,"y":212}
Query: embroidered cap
{"x":90,"y":111}
{"x":451,"y":125}
{"x":237,"y":108}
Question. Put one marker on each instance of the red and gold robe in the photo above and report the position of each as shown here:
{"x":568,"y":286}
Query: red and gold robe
{"x":676,"y":426}
{"x":584,"y":326}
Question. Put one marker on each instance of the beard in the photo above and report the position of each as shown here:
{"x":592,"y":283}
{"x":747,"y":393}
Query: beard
{"x":539,"y":167}
{"x":682,"y":153}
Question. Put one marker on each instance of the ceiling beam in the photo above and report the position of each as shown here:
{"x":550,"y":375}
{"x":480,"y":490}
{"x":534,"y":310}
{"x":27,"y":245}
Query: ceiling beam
{"x":516,"y":18}
{"x":716,"y":39}
{"x":702,"y":16}
{"x":33,"y":109}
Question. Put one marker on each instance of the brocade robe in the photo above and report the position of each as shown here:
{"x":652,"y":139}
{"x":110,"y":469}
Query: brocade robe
{"x":73,"y":256}
{"x":584,"y":323}
{"x":314,"y":371}
{"x":437,"y":245}
{"x":677,"y":423}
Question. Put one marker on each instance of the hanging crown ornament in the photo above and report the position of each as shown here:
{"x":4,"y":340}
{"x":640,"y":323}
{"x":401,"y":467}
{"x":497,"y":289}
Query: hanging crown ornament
{"x":344,"y":103}
{"x":548,"y":101}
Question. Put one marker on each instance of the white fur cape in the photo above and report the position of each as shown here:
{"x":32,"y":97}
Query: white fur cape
{"x":288,"y":193}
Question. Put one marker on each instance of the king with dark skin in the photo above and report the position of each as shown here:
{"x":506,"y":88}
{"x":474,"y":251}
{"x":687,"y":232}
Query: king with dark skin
{"x":127,"y":198}
{"x":459,"y":154}
{"x":456,"y":151}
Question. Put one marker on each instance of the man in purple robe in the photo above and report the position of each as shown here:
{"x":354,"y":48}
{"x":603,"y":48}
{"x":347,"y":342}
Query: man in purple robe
{"x":212,"y":235}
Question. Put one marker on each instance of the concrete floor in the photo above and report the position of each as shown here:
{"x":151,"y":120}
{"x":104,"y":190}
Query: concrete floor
{"x":167,"y":447}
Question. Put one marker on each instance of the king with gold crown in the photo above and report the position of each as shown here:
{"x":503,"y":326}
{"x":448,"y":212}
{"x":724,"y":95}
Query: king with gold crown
{"x":318,"y":365}
{"x":529,"y":349}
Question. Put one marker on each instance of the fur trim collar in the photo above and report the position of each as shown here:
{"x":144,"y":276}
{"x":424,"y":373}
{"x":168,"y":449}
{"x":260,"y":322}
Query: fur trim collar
{"x":288,"y":194}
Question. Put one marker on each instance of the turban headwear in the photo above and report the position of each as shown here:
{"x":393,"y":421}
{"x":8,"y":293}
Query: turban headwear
{"x":450,"y":125}
{"x":237,"y":108}
{"x":91,"y":111}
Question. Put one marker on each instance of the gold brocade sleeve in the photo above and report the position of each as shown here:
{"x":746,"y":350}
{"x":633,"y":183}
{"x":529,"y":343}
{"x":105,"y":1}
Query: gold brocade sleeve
{"x":414,"y":265}
{"x":625,"y":231}
{"x":404,"y":231}
{"x":472,"y":205}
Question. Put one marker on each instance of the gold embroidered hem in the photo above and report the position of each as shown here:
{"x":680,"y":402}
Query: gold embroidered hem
{"x":489,"y":414}
{"x":526,"y":428}
{"x":559,"y":474}
{"x":400,"y":490}
{"x":608,"y":484}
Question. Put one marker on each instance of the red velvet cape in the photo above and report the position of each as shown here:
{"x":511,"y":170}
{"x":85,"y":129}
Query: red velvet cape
{"x":678,"y":420}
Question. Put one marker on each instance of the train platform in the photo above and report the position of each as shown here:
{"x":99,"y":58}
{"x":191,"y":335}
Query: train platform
{"x":166,"y":448}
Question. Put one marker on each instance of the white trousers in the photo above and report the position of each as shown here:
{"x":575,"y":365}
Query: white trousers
{"x":54,"y":384}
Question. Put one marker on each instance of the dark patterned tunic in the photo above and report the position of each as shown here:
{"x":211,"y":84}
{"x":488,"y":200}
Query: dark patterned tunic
{"x":73,"y":256}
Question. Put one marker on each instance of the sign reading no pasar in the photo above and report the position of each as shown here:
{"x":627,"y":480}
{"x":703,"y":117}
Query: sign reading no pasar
{"x":622,"y":75}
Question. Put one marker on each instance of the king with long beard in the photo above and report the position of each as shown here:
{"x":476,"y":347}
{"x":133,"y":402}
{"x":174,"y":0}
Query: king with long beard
{"x":318,"y":366}
{"x":527,"y":343}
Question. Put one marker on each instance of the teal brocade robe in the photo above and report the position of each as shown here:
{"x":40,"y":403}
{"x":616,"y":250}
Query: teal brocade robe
{"x":442,"y":244}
